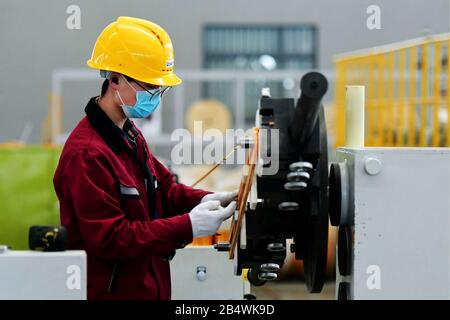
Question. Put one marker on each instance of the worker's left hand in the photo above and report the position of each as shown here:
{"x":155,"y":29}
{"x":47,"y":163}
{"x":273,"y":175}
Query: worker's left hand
{"x":224,"y":197}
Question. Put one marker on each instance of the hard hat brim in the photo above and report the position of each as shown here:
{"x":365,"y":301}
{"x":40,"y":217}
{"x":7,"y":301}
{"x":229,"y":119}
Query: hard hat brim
{"x":168,"y":80}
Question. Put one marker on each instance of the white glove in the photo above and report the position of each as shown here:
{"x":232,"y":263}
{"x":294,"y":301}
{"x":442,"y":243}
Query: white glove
{"x":224,"y":197}
{"x":207,"y":217}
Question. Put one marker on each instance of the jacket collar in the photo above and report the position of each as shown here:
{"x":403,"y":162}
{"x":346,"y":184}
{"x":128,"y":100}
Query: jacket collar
{"x":112,"y":134}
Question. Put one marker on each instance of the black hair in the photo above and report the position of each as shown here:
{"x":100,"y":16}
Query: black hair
{"x":105,"y":86}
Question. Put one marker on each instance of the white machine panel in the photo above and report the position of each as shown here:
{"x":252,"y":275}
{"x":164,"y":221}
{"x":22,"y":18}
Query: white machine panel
{"x":397,"y":240}
{"x":33,"y":275}
{"x":202,"y":273}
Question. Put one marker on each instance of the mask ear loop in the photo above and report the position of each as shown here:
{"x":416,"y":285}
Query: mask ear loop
{"x":120,"y":98}
{"x":118,"y":94}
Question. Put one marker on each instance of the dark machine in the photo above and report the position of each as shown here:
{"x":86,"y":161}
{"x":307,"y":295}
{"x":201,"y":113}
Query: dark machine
{"x":293,"y":203}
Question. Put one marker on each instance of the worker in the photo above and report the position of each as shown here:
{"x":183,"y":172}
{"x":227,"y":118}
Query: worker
{"x":117,"y":201}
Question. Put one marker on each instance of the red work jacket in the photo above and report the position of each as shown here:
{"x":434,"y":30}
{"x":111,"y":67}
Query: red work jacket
{"x":129,"y":221}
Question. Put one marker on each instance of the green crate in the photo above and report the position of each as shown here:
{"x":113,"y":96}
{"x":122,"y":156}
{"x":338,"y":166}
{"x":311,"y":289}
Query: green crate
{"x":27,"y":196}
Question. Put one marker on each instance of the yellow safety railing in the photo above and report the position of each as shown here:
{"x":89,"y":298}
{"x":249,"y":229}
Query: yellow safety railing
{"x":407,"y":92}
{"x":52,"y":126}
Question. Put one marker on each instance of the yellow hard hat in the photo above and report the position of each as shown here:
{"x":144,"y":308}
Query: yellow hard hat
{"x":137,"y":48}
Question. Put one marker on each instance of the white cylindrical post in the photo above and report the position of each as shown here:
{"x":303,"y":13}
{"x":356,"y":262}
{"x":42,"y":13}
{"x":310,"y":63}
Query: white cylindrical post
{"x":354,"y":116}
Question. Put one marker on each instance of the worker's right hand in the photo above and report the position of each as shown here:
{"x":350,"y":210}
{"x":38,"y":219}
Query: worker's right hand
{"x":207,"y":217}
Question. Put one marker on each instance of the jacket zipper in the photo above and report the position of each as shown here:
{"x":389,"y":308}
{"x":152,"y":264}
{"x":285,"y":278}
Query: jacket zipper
{"x":147,"y":170}
{"x":145,"y":167}
{"x":113,"y":279}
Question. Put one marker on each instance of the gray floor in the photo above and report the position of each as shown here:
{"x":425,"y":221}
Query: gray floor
{"x":292,"y":290}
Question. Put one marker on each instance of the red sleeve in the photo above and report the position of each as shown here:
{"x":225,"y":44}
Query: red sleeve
{"x":104,"y":228}
{"x":177,"y":198}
